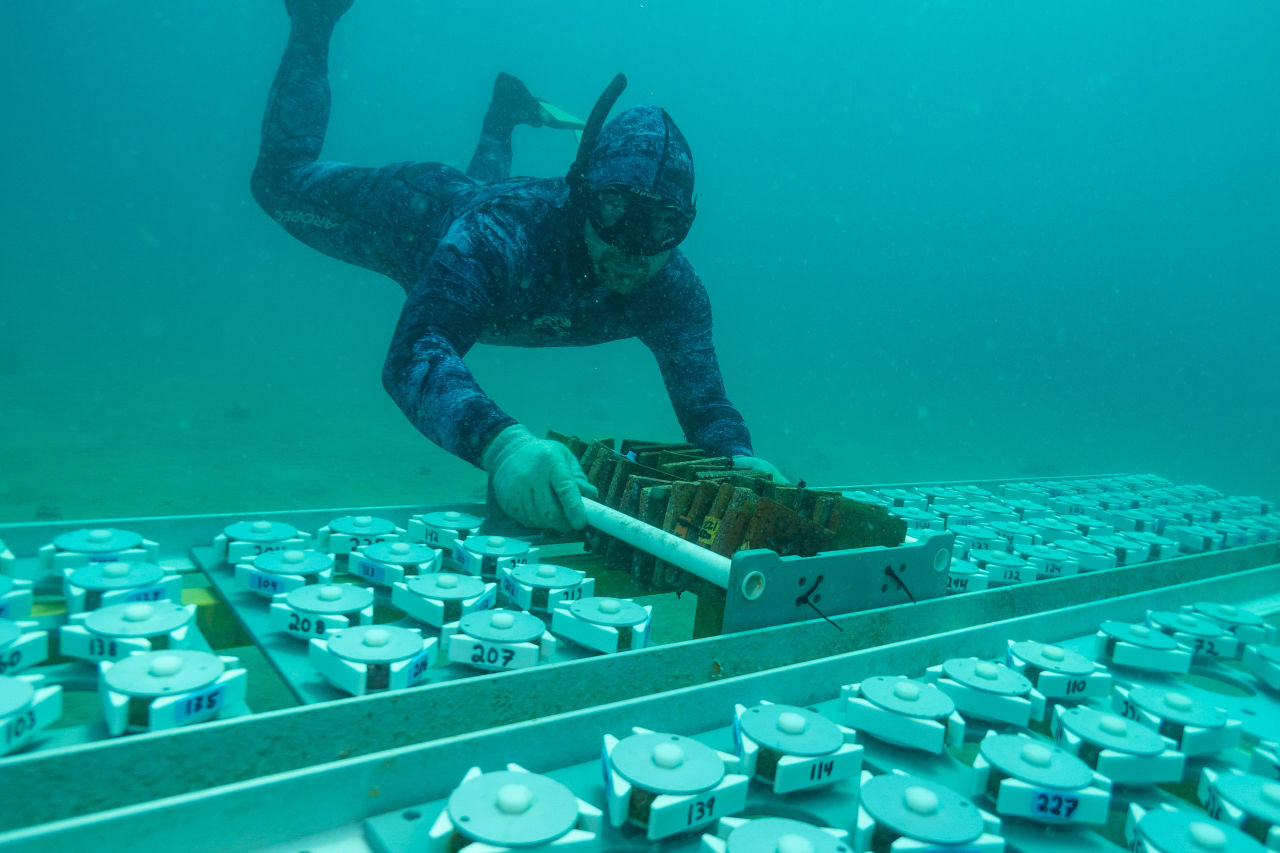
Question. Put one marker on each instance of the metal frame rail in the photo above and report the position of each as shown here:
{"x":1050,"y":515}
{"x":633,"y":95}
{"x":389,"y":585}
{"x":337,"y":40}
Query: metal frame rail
{"x":148,"y":767}
{"x":323,"y":807}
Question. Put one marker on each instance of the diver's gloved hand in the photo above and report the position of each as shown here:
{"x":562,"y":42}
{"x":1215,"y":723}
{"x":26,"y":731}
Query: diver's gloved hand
{"x":755,"y":463}
{"x":537,"y":481}
{"x":326,"y":12}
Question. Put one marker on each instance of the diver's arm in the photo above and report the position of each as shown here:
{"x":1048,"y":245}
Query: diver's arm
{"x":536,"y":481}
{"x":696,"y":389}
{"x":425,"y":375}
{"x":424,"y":372}
{"x":681,"y":343}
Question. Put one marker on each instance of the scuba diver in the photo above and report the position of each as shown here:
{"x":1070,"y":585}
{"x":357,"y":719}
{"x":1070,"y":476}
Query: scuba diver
{"x":484,"y":258}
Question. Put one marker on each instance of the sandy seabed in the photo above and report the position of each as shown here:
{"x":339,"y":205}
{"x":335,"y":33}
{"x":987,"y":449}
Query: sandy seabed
{"x":73,"y":453}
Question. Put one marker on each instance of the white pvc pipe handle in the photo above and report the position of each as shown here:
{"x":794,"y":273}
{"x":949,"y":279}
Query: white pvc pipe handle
{"x":694,"y":559}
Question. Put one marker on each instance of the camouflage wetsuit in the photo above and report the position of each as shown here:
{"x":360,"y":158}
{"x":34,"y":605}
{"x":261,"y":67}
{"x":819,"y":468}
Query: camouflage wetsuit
{"x":501,"y":262}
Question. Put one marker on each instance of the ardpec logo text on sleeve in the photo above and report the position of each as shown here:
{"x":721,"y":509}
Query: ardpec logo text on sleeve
{"x":305,"y":218}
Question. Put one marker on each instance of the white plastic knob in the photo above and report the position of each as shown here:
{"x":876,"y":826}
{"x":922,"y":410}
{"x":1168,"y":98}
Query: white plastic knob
{"x":1140,"y":630}
{"x":1187,"y":619}
{"x":1054,"y":653}
{"x":920,"y":800}
{"x":546,"y":570}
{"x":1206,"y":836}
{"x":376,"y":637}
{"x":165,"y":666}
{"x":1271,"y":793}
{"x":332,"y":592}
{"x":987,"y":671}
{"x":1178,"y":701}
{"x":791,"y":843}
{"x":99,"y":535}
{"x":447,"y":581}
{"x":1113,"y":725}
{"x":452,"y":515}
{"x":514,"y":799}
{"x":789,"y":722}
{"x":1037,"y":755}
{"x":362,"y":520}
{"x":260,"y":527}
{"x":496,"y":542}
{"x":115,"y":570}
{"x":668,"y":755}
{"x":139,"y":612}
{"x":401,"y":548}
{"x":610,"y":605}
{"x":293,"y":557}
{"x":907,"y":691}
{"x":1228,"y":609}
{"x":502,"y":619}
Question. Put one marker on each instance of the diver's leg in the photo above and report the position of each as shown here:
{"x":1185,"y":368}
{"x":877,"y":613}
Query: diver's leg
{"x":511,"y":105}
{"x":369,"y":217}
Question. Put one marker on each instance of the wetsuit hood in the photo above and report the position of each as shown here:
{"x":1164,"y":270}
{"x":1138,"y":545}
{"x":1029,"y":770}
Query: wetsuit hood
{"x":642,"y":148}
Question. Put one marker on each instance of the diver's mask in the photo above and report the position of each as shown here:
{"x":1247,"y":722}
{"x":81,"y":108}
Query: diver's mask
{"x":635,"y":221}
{"x":632,"y":219}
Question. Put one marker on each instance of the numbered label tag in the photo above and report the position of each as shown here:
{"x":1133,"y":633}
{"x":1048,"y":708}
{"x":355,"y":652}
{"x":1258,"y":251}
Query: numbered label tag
{"x":264,"y":583}
{"x":468,"y":562}
{"x":573,"y":593}
{"x":19,"y":728}
{"x":102,"y":648}
{"x":418,"y":669}
{"x":375,"y":572}
{"x":76,"y":642}
{"x":1053,"y":805}
{"x":445,"y":539}
{"x":494,"y":656}
{"x":313,"y":625}
{"x":242,"y":552}
{"x":707,"y":532}
{"x":1015,"y":574}
{"x":203,"y":703}
{"x":10,"y":661}
{"x":147,"y":593}
{"x":340,"y":544}
{"x":1218,"y":647}
{"x":672,"y":815}
{"x":796,"y":774}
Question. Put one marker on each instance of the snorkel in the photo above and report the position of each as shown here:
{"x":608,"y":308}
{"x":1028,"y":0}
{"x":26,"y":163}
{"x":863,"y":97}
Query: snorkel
{"x":577,"y":177}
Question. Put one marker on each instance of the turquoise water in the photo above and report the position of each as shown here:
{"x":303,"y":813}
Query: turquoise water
{"x":942,"y":240}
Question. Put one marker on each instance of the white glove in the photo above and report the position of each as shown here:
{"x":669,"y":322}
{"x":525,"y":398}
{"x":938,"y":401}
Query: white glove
{"x":755,"y":463}
{"x":537,"y":481}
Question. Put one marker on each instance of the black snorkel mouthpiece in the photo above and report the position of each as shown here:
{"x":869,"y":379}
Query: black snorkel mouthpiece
{"x":577,"y":176}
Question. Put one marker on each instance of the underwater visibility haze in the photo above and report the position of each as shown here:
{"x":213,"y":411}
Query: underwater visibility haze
{"x":942,"y":240}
